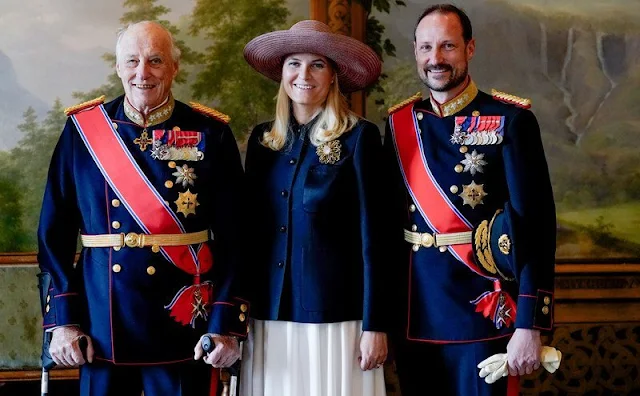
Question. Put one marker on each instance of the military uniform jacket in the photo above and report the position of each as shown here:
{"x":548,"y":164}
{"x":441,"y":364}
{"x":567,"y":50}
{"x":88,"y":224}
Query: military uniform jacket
{"x":480,"y":174}
{"x":120,"y":296}
{"x":318,"y":228}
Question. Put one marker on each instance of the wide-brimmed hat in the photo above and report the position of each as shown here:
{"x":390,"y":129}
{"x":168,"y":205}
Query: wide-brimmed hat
{"x":358,"y":65}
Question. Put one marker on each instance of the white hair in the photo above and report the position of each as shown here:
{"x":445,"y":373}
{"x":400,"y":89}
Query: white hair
{"x":175,"y":51}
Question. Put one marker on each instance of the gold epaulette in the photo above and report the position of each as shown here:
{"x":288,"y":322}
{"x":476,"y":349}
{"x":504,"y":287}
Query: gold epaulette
{"x":85,"y":105}
{"x":210,"y":112}
{"x":508,"y":98}
{"x":406,"y":102}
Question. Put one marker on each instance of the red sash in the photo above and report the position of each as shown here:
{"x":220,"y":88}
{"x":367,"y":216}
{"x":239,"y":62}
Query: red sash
{"x":440,"y":213}
{"x":143,"y":202}
{"x":435,"y":207}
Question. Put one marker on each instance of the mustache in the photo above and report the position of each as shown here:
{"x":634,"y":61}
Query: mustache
{"x":439,"y":66}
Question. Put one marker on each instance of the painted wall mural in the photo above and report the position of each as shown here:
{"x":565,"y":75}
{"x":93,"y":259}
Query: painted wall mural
{"x":578,"y":60}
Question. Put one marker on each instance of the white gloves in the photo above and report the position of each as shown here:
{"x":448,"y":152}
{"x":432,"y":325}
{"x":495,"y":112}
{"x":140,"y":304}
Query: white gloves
{"x":495,"y":367}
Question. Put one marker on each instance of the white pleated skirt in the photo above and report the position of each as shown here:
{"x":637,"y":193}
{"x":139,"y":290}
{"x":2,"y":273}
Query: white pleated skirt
{"x":306,"y":359}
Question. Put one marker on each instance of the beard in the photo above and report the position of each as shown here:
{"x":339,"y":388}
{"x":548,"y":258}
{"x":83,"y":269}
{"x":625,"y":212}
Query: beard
{"x":456,"y":77}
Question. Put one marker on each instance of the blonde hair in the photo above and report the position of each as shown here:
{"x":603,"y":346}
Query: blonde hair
{"x":335,"y":119}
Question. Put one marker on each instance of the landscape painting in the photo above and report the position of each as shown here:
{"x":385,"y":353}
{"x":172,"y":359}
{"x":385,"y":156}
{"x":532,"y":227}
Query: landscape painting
{"x":577,"y":60}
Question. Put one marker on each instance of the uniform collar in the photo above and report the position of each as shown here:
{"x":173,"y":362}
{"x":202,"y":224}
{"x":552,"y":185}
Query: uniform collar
{"x":156,"y":116}
{"x":456,"y":104}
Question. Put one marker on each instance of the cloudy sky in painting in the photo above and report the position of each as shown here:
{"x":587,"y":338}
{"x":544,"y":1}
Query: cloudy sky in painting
{"x":55,"y":45}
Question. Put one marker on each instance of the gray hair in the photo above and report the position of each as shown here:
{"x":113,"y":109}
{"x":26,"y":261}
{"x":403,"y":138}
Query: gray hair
{"x":175,"y":50}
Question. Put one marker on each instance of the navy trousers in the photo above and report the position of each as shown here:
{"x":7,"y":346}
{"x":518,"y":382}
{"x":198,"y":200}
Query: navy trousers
{"x":450,"y":368}
{"x":179,"y":379}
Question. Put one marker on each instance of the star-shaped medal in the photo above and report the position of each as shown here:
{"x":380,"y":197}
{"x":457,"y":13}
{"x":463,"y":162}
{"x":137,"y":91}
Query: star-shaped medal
{"x":473,"y":162}
{"x":184,"y":175}
{"x":458,"y":137}
{"x":187,"y":203}
{"x":472,"y":194}
{"x":199,"y":308}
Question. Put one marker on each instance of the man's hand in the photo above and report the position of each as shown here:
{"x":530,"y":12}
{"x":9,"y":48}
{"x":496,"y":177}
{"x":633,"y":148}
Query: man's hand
{"x":373,"y":350}
{"x":523,"y":352}
{"x":65,"y":346}
{"x":225,"y":353}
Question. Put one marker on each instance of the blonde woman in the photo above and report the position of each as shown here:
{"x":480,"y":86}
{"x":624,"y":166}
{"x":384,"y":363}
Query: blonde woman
{"x":316,"y":226}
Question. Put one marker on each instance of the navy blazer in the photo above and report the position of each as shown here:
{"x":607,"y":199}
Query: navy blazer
{"x":435,"y":289}
{"x":124,"y":310}
{"x":318,"y":229}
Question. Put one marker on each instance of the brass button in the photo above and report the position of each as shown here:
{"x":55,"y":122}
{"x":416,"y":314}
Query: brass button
{"x":412,"y":208}
{"x":414,"y":228}
{"x":416,"y":248}
{"x":48,"y":298}
{"x":172,"y":164}
{"x":47,"y":308}
{"x":426,"y":240}
{"x":419,"y":116}
{"x":115,"y":126}
{"x":475,"y":113}
{"x":116,"y":268}
{"x":115,"y":224}
{"x":453,"y":189}
{"x":242,"y":317}
{"x":464,"y":149}
{"x":117,"y":248}
{"x":545,"y":310}
{"x":547,"y":300}
{"x":151,"y":270}
{"x":115,"y":203}
{"x":244,"y":307}
{"x":168,"y":184}
{"x":155,"y":248}
{"x":442,"y":249}
{"x":459,"y":168}
{"x":176,"y":128}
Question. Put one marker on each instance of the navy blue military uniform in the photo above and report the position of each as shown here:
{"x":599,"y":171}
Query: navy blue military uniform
{"x":497,"y":180}
{"x":119,"y":296}
{"x":317,"y":255}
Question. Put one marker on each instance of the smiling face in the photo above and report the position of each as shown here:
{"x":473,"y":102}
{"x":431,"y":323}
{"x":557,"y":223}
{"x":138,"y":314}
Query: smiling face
{"x":442,"y":56}
{"x":306,"y":79}
{"x":145,"y":65}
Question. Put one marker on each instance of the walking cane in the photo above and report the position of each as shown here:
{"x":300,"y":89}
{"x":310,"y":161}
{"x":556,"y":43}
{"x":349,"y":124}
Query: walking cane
{"x":48,"y":363}
{"x":232,"y":386}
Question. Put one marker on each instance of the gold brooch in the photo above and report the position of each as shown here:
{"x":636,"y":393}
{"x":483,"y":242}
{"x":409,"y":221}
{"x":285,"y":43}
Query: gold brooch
{"x":329,"y":152}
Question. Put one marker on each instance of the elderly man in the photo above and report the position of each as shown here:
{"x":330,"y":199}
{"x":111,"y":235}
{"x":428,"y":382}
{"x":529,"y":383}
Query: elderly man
{"x":153,"y":186}
{"x":475,"y":221}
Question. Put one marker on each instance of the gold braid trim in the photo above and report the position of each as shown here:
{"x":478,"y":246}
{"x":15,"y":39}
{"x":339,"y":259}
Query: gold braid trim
{"x":516,"y":100}
{"x":482,"y":248}
{"x":85,"y":105}
{"x":210,"y":112}
{"x":406,"y":102}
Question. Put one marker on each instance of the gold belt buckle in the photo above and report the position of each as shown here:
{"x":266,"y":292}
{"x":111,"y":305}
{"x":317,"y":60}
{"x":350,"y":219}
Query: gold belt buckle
{"x":427,"y":240}
{"x":133,"y":240}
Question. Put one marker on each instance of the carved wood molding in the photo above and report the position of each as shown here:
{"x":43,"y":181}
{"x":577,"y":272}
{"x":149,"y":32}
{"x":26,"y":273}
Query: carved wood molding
{"x":339,"y":16}
{"x":596,"y":360}
{"x":35,"y":375}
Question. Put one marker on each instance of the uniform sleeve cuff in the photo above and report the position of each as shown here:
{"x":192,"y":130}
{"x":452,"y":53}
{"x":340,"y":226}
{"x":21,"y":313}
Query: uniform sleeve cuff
{"x":230,"y":318}
{"x":60,"y":310}
{"x":535,"y":311}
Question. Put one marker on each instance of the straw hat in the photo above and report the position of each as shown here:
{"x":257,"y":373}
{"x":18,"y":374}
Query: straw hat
{"x":357,"y":64}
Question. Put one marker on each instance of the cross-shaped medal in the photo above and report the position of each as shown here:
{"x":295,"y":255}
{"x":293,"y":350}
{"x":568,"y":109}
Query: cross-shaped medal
{"x":143,"y":141}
